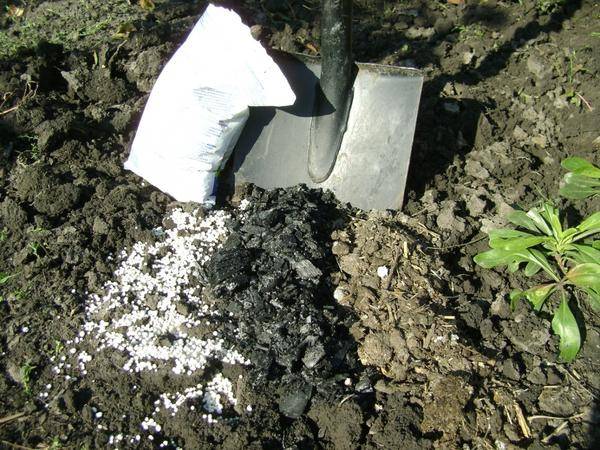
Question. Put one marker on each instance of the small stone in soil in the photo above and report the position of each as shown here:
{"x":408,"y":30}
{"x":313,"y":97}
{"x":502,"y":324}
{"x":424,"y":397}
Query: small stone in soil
{"x":294,"y":399}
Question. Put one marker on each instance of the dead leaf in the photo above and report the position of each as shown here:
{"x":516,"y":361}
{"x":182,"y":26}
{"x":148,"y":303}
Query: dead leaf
{"x":124,"y":30}
{"x":312,"y":48}
{"x":457,"y":2}
{"x":147,"y":5}
{"x":15,"y":11}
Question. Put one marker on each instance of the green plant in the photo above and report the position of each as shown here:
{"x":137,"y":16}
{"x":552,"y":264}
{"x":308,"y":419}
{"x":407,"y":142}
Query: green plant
{"x":55,"y":444}
{"x":58,"y":348}
{"x":582,"y":180}
{"x":5,"y":277}
{"x":567,"y":259}
{"x":36,"y":248}
{"x":470,"y":31}
{"x":549,"y":6}
{"x":3,"y":235}
{"x":574,"y":67}
{"x":26,"y":370}
{"x":18,"y":294}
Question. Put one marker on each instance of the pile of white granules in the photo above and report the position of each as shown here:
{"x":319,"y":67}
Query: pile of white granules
{"x":149,"y":312}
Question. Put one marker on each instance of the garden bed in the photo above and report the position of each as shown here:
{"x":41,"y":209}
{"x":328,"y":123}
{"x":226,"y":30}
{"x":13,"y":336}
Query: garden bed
{"x":285,"y":319}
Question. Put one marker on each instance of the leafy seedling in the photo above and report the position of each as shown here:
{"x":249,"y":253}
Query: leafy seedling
{"x":36,"y":248}
{"x":569,"y":259}
{"x":26,"y":370}
{"x":582,"y":180}
{"x":549,"y":6}
{"x":5,"y":277}
{"x":17,"y":294}
{"x":58,"y":348}
{"x":55,"y":444}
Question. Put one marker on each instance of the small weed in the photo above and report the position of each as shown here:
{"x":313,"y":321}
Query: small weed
{"x":95,"y":28}
{"x":26,"y":370}
{"x":58,"y":348}
{"x":29,"y":151}
{"x":549,"y":6}
{"x":53,"y":23}
{"x":470,"y":31}
{"x":3,"y":235}
{"x":569,"y":258}
{"x":574,"y":67}
{"x":5,"y":277}
{"x":55,"y":444}
{"x":18,"y":294}
{"x":36,"y":248}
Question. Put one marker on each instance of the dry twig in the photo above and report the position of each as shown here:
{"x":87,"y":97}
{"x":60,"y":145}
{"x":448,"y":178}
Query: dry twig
{"x":556,"y":432}
{"x":7,"y":419}
{"x":28,"y":93}
{"x":17,"y":446}
{"x":521,"y":420}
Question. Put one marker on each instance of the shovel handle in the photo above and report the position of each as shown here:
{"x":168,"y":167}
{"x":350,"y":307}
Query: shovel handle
{"x":334,"y":96}
{"x":336,"y":47}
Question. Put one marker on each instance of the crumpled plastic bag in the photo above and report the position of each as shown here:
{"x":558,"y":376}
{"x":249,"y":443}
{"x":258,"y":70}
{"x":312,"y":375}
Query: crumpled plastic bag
{"x":199,"y":105}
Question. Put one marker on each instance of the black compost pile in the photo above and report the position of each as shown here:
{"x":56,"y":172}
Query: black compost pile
{"x":271,"y":275}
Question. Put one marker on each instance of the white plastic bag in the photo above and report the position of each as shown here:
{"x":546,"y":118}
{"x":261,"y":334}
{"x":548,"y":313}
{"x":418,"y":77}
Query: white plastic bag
{"x":199,"y":105}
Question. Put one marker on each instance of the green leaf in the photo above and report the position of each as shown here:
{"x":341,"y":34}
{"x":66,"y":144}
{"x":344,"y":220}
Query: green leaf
{"x":538,"y":295}
{"x":4,"y":277}
{"x":570,"y":232}
{"x":581,"y":167}
{"x":514,"y":239}
{"x":521,"y":219}
{"x":515,"y":295}
{"x":513,"y":266}
{"x":578,"y":186}
{"x":550,"y":213}
{"x":539,"y":221}
{"x":584,"y":254}
{"x":565,"y":326}
{"x":585,"y":275}
{"x":591,"y":223}
{"x":493,"y":258}
{"x":512,"y":258}
{"x":593,"y":298}
{"x":531,"y":269}
{"x":539,"y":258}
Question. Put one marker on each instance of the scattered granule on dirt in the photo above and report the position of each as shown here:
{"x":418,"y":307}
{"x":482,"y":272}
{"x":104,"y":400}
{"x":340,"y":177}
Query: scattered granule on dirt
{"x":152,"y":318}
{"x":149,"y":311}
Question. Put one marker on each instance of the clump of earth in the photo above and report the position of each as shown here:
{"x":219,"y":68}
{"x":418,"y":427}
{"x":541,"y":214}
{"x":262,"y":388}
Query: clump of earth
{"x":283,"y":319}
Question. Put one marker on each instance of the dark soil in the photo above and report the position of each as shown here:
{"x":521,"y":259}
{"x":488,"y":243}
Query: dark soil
{"x":362,"y":330}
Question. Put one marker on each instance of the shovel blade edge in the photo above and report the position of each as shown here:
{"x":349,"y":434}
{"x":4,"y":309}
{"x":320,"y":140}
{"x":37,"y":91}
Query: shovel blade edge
{"x":372,"y":165}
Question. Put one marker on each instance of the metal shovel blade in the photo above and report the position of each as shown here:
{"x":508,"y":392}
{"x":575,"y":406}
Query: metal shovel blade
{"x":372,"y":164}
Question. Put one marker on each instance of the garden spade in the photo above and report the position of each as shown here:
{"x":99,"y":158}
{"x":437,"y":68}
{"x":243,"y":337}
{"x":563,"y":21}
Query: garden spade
{"x":350,"y":130}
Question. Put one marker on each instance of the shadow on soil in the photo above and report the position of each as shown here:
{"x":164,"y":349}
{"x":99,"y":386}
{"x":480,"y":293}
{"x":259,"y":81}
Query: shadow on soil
{"x":435,"y":146}
{"x":594,"y":437}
